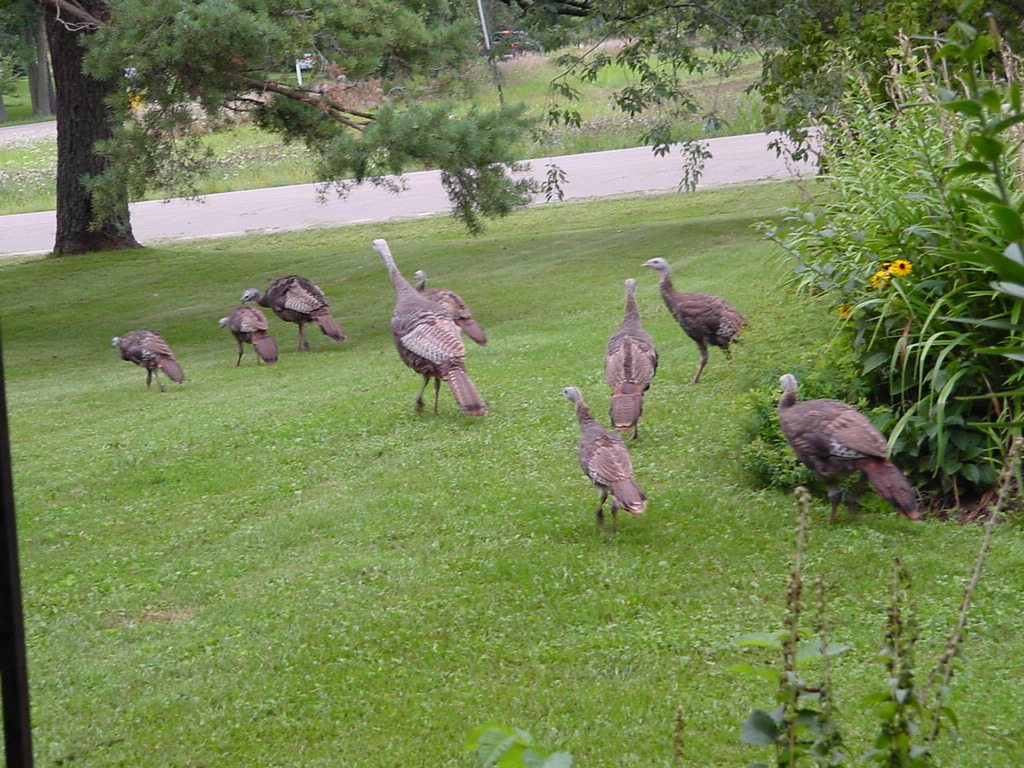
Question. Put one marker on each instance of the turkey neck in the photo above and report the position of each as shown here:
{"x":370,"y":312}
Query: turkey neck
{"x":665,"y":284}
{"x":788,"y":399}
{"x":400,"y":284}
{"x":583,"y":414}
{"x":632,"y":310}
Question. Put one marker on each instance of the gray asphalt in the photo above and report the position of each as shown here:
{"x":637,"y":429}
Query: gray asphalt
{"x":736,"y":160}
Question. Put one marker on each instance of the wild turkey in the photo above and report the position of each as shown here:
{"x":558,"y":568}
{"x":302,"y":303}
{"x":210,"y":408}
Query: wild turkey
{"x":428,"y":341}
{"x":451,"y":301}
{"x":296,"y":299}
{"x":630,"y":361}
{"x":250,"y":325}
{"x":832,"y":438}
{"x":706,"y":318}
{"x":604,"y":458}
{"x":149,"y":350}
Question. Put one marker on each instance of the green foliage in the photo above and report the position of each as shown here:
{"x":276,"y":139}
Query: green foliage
{"x":502,"y":747}
{"x":828,"y":370}
{"x":803,"y":727}
{"x":244,"y":157}
{"x":171,"y":62}
{"x":912,"y":229}
{"x":472,"y":152}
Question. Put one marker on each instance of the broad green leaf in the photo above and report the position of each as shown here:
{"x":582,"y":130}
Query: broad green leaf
{"x":759,"y":729}
{"x":1009,"y":221}
{"x":965,"y":106}
{"x":981,"y":195}
{"x":877,"y":696}
{"x":560,"y":759}
{"x":759,"y":640}
{"x":530,"y":758}
{"x":1008,"y":122}
{"x":474,"y":737}
{"x":970,"y":167}
{"x":875,"y":360}
{"x":992,"y":99}
{"x":746,"y":668}
{"x":812,"y":649}
{"x":986,"y":147}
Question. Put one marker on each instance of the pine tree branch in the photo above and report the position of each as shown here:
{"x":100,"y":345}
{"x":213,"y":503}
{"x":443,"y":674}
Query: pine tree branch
{"x":330,"y":108}
{"x":86,"y":20}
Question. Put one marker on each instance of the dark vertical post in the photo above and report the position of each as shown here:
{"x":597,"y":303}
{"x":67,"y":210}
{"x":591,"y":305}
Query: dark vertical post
{"x":13,"y":660}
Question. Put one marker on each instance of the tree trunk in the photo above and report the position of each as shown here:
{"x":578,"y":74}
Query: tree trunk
{"x":3,"y":109}
{"x":40,"y":83}
{"x":83,"y":118}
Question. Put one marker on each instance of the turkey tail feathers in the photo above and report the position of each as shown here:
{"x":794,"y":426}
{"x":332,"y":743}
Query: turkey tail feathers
{"x":266,"y":348}
{"x":626,"y":407}
{"x":330,"y":327}
{"x":466,"y":396}
{"x":893,"y":486}
{"x":629,"y":496}
{"x":173,"y":369}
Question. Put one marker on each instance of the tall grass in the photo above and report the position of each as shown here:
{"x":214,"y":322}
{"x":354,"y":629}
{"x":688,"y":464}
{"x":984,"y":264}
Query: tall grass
{"x":287,"y":566}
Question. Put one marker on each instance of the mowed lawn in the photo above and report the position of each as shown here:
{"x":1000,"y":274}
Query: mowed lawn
{"x":288,"y":566}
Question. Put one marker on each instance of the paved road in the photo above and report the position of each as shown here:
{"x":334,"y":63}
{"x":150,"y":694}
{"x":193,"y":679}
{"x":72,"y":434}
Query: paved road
{"x":736,"y":160}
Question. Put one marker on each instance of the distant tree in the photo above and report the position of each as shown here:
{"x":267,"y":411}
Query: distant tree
{"x":134,"y":78}
{"x":40,"y":79}
{"x":12,"y":54}
{"x":806,"y":47}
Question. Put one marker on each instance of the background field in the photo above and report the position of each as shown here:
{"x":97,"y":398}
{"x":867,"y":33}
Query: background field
{"x":287,"y":566}
{"x":245,"y":158}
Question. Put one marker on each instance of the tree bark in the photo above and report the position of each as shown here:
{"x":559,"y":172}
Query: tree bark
{"x":83,"y":118}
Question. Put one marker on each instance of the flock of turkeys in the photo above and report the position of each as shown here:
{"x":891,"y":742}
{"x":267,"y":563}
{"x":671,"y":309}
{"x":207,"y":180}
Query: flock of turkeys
{"x":830,"y":437}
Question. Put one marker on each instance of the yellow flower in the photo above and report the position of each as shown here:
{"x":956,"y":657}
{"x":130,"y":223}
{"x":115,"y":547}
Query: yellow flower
{"x":845,"y":310}
{"x":880,"y":279}
{"x":900,"y":268}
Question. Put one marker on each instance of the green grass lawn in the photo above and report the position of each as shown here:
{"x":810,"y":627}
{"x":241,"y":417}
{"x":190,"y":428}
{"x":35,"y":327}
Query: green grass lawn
{"x":287,"y":566}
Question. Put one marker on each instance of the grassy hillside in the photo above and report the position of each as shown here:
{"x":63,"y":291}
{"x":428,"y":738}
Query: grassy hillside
{"x":287,"y":566}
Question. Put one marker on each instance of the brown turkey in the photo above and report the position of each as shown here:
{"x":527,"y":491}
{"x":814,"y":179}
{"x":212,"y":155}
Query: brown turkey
{"x":706,"y":318}
{"x":249,"y":325}
{"x":428,"y":341}
{"x":832,"y":438}
{"x":630,"y":362}
{"x":149,"y":350}
{"x":454,"y":303}
{"x":296,"y":299}
{"x":604,"y":458}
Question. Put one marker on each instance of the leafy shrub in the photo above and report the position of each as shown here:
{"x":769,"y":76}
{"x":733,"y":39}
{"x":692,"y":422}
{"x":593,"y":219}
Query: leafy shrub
{"x":830,"y":371}
{"x":804,"y":725}
{"x":498,"y":745}
{"x":922,"y":201}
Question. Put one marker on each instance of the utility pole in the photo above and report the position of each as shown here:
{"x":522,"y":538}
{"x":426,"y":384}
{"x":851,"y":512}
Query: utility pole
{"x":487,"y":47}
{"x":13,"y":662}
